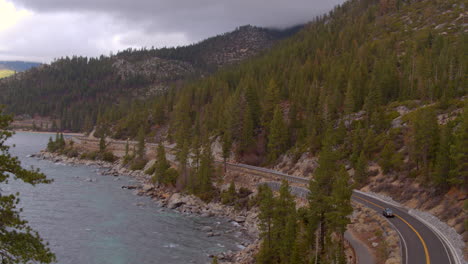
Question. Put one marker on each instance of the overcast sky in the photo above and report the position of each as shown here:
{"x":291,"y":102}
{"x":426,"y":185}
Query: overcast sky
{"x":41,"y":30}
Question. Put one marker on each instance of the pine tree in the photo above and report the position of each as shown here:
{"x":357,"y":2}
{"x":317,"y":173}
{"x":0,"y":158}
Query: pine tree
{"x":387,"y":157}
{"x":205,"y":174}
{"x":51,"y":145}
{"x":285,"y":223}
{"x":349,"y":102}
{"x":267,"y":204}
{"x":272,"y":98}
{"x":141,"y":143}
{"x":459,"y":153}
{"x":182,"y":157}
{"x":320,"y":188}
{"x":127,"y":149}
{"x":102,"y":144}
{"x":424,"y":131}
{"x":337,"y":218}
{"x":247,"y":131}
{"x":360,"y":170}
{"x":227,"y":145}
{"x":444,"y":163}
{"x":253,"y":103}
{"x":229,"y":196}
{"x":277,"y":138}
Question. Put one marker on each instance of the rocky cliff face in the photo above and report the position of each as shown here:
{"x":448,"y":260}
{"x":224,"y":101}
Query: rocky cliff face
{"x":245,"y":42}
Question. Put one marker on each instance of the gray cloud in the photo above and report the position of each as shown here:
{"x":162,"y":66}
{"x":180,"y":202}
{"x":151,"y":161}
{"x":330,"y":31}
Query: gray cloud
{"x":167,"y":23}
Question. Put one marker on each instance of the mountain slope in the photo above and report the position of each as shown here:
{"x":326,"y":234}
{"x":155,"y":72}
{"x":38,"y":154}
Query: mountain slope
{"x":382,"y":84}
{"x":74,"y":90}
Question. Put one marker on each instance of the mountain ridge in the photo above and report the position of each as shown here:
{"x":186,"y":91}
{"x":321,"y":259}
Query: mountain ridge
{"x":74,"y":90}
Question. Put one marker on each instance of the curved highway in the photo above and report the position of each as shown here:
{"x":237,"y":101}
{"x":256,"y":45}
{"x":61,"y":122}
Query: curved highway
{"x":420,"y":244}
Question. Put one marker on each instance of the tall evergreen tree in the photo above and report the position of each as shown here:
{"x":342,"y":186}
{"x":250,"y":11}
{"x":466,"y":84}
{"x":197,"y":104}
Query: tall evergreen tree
{"x":272,"y":98}
{"x":459,"y":153}
{"x":360,"y":170}
{"x":247,"y":131}
{"x":349,"y":102}
{"x":444,"y":163}
{"x":102,"y":143}
{"x":285,"y":224}
{"x":387,"y":157}
{"x":227,"y":145}
{"x":266,"y":215}
{"x":205,"y":173}
{"x":338,"y":217}
{"x":424,"y":130}
{"x":277,"y":138}
{"x":320,"y":188}
{"x":141,"y":149}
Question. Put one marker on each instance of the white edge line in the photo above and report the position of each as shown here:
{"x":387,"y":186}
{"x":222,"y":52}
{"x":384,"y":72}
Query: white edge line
{"x":440,"y":235}
{"x":380,"y":199}
{"x":436,"y":231}
{"x":401,"y":238}
{"x":403,"y":243}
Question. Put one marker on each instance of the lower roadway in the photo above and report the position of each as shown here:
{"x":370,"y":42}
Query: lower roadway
{"x":419,"y":243}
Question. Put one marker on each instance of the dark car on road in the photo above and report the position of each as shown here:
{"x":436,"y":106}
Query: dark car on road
{"x":387,"y":212}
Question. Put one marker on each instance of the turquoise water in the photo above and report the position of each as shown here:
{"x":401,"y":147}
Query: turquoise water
{"x":99,"y":222}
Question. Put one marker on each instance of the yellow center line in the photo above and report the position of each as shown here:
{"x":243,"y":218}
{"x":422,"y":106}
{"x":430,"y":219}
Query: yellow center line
{"x":426,"y":251}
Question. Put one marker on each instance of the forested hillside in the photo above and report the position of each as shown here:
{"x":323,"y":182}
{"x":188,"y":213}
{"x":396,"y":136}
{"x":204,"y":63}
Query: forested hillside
{"x":372,"y":88}
{"x":347,"y":72}
{"x":374,"y":83}
{"x":74,"y":90}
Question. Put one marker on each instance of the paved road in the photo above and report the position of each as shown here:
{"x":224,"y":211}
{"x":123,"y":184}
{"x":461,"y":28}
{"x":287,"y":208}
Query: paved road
{"x":363,"y":254}
{"x":420,"y":244}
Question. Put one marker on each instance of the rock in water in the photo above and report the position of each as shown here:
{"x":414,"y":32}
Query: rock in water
{"x":206,"y":229}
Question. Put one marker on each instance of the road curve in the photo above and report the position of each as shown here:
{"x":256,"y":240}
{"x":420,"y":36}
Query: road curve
{"x":419,"y":243}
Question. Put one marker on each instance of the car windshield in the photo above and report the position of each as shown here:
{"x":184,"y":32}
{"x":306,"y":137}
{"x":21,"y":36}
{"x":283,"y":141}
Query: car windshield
{"x":388,"y":210}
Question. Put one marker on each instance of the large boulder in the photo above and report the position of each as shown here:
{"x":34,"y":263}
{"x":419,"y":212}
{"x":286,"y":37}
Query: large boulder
{"x":175,"y":201}
{"x":149,"y":164}
{"x":147,"y":187}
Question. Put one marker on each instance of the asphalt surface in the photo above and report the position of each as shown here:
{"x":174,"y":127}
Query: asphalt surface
{"x":419,"y":243}
{"x":363,"y":254}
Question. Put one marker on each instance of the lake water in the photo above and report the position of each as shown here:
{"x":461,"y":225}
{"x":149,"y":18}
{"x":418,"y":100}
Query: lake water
{"x":99,"y":222}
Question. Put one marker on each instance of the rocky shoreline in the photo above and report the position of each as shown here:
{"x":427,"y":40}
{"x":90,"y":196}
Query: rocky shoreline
{"x":245,"y":221}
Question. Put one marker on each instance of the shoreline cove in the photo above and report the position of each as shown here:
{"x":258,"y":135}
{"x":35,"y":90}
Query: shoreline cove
{"x":244,"y":221}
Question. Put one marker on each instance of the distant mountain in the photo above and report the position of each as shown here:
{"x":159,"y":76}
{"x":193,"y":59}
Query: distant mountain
{"x":76,"y":89}
{"x":18,"y":66}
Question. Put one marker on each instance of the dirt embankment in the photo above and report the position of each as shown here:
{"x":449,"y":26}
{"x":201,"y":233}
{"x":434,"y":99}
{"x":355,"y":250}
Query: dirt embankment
{"x":377,"y":233}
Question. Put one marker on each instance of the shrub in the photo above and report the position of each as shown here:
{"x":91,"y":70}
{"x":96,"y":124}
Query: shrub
{"x":72,"y":153}
{"x":229,"y":196}
{"x":138,"y":164}
{"x":151,"y":170}
{"x":90,"y":155}
{"x":108,"y":156}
